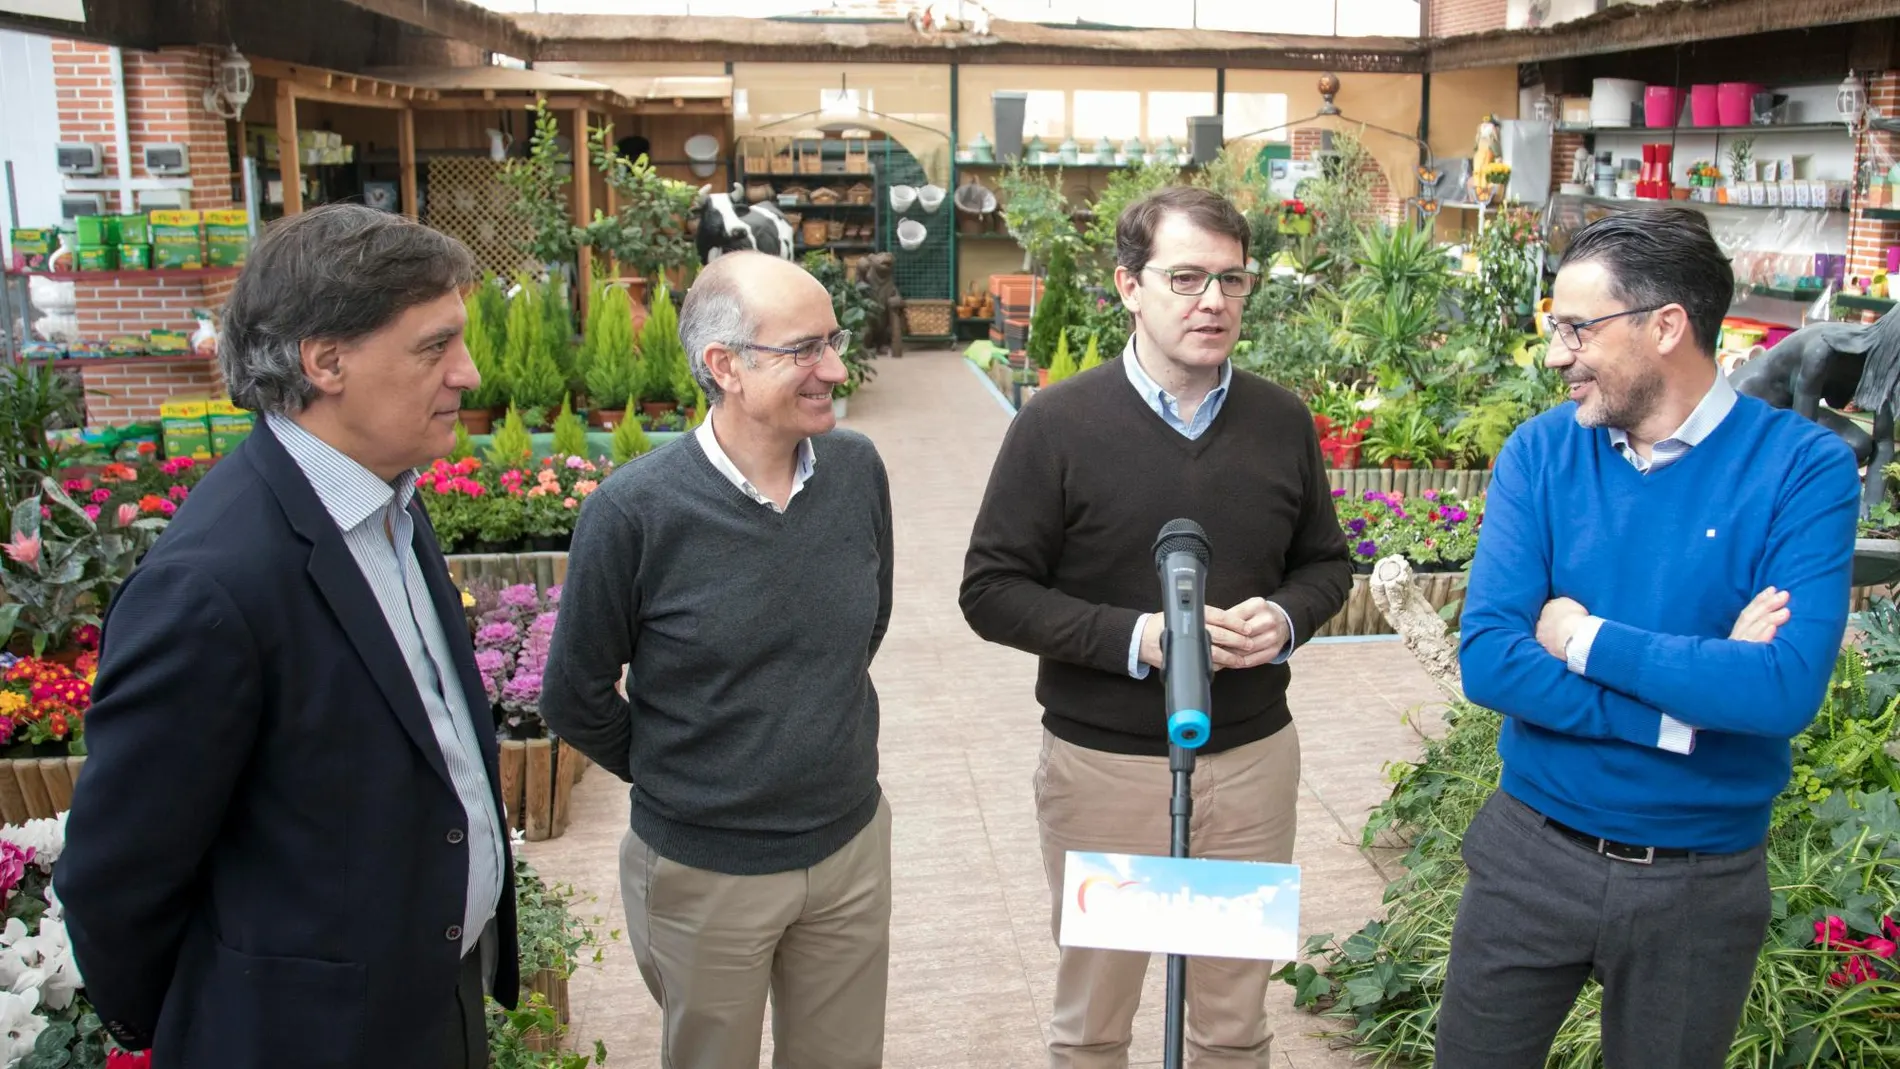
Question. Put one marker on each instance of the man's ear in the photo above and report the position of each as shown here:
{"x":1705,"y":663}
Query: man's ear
{"x":1672,"y":330}
{"x":1128,"y":285}
{"x":723,"y":362}
{"x":323,"y":364}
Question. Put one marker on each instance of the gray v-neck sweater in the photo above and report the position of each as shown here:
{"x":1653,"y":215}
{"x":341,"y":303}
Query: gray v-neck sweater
{"x":751,"y":734}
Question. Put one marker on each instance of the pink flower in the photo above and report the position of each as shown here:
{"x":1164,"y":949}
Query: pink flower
{"x":13,"y":862}
{"x":585,"y":487}
{"x":576,"y":462}
{"x":92,"y":512}
{"x":571,"y":503}
{"x":167,"y":507}
{"x":100,"y":497}
{"x":179,"y":493}
{"x":1878,"y":947}
{"x":24,"y":549}
{"x":127,"y":513}
{"x":1830,"y":932}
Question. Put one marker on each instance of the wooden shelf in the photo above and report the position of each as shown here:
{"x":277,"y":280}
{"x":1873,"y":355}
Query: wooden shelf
{"x":1889,"y":214}
{"x":965,"y":165}
{"x":1864,"y":304}
{"x":114,"y":361}
{"x":1785,"y":293}
{"x":203,"y":274}
{"x":1671,"y":131}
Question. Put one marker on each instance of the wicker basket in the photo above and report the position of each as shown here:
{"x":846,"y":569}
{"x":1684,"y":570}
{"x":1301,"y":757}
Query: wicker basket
{"x":834,"y":229}
{"x":815,"y":231}
{"x":929,"y":316}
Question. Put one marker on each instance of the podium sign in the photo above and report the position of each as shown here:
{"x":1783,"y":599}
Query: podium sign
{"x":1196,"y":907}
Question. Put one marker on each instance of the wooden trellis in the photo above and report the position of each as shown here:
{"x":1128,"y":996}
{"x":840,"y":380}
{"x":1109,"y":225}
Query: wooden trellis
{"x":468,"y":200}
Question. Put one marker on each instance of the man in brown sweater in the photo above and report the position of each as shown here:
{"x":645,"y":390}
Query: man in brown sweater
{"x":1060,"y":565}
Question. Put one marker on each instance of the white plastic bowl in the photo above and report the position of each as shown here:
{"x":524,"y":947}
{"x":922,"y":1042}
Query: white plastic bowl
{"x":902,"y":197}
{"x":911,"y":233}
{"x":931,"y":197}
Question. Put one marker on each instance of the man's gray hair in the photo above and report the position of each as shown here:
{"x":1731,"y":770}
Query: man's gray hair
{"x":715,"y":313}
{"x":338,"y":272}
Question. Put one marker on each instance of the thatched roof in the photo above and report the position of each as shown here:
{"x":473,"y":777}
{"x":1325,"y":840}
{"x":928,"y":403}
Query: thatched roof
{"x":684,"y":38}
{"x":1627,"y":27}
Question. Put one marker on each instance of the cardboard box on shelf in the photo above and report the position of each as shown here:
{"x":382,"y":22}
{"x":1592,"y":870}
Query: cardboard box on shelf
{"x":227,"y":237}
{"x":186,"y":422}
{"x":33,"y":247}
{"x":98,"y":257}
{"x":229,"y":425}
{"x":177,"y":239}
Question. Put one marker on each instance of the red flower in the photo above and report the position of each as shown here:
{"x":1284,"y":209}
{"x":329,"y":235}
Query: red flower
{"x":146,"y":449}
{"x":121,"y":1059}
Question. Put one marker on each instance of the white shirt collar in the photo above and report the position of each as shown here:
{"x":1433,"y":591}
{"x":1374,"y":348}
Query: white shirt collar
{"x":709,"y":442}
{"x":1151,"y":390}
{"x":350,"y":492}
{"x":1708,"y":415}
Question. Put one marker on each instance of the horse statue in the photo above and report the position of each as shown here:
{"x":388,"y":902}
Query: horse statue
{"x":1842,"y":364}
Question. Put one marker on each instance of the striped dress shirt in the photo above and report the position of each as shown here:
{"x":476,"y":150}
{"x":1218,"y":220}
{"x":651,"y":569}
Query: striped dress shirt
{"x":1714,"y":407}
{"x":375,"y":521}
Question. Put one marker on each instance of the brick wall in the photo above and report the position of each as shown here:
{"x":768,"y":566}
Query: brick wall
{"x":164,"y":104}
{"x":1449,"y":18}
{"x":1385,"y":203}
{"x":1563,"y":148}
{"x":1867,"y":239}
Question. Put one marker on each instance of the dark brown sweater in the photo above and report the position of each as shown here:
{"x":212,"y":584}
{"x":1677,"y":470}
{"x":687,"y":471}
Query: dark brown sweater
{"x":1060,"y":561}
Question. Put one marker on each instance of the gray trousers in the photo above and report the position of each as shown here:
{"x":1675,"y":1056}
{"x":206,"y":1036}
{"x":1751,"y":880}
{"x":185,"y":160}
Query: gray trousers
{"x":1673,"y":943}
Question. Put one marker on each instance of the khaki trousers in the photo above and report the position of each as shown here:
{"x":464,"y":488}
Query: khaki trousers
{"x":712,"y":947}
{"x":1244,"y":810}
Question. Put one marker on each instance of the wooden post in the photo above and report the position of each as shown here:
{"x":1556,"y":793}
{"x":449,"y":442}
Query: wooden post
{"x":566,"y":770}
{"x":59,"y":782}
{"x":513,"y":753}
{"x":289,"y":161}
{"x":12,"y":798}
{"x":539,"y":774}
{"x":583,"y":203}
{"x":406,"y":156}
{"x":38,"y":804}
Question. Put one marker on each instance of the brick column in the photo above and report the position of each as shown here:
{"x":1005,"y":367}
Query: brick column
{"x":1385,"y":203}
{"x":1449,"y":18}
{"x":164,"y":104}
{"x":1868,"y":239}
{"x":1563,"y":146}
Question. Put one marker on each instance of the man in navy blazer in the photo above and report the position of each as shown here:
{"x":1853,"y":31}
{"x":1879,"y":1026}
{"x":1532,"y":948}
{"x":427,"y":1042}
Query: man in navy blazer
{"x":288,"y":848}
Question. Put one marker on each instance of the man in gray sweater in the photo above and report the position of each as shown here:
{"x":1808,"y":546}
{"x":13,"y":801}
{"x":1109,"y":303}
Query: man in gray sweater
{"x":742,"y":574}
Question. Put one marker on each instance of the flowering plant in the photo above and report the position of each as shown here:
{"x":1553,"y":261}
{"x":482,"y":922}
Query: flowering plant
{"x":1877,"y":961}
{"x":512,"y":629}
{"x":490,"y":508}
{"x":1339,"y":442}
{"x":44,"y":702}
{"x":1437,"y":532}
{"x":1294,"y":218}
{"x":62,"y":562}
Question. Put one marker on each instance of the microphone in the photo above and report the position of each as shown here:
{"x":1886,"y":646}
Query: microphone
{"x":1182,"y":557}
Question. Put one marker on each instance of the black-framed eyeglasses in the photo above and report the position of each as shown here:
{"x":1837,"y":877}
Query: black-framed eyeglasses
{"x":805,"y":354}
{"x":1192,"y":282}
{"x":1571,"y":332}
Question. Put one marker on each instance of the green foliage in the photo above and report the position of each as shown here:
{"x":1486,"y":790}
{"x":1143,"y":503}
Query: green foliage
{"x":1341,"y":199}
{"x":570,"y":432}
{"x":1063,"y":366}
{"x":558,"y":322}
{"x":630,"y":439}
{"x":516,"y":1036}
{"x":613,"y":367}
{"x":34,"y":399}
{"x":1497,"y":300}
{"x":1125,"y":187}
{"x":1402,"y":430}
{"x":1093,"y":359}
{"x":662,"y":358}
{"x":554,"y":940}
{"x":511,"y":446}
{"x":857,"y":312}
{"x":647,"y":234}
{"x":464,"y":448}
{"x":73,"y":568}
{"x":481,"y":336}
{"x":1059,"y":306}
{"x":535,"y":378}
{"x":1036,"y":211}
{"x":1832,"y":852}
{"x":1236,"y":175}
{"x":539,"y":181}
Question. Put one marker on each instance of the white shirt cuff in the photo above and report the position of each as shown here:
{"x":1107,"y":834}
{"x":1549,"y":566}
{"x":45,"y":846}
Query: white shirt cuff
{"x":1675,"y":736}
{"x":1286,"y":654}
{"x":1135,"y":667}
{"x":1577,"y":652}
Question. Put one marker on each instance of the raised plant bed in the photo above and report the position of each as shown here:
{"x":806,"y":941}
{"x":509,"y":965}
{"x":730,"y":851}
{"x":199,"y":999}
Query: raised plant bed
{"x":1361,"y":617}
{"x":1410,"y":482}
{"x":537,"y":785}
{"x":32,"y":788}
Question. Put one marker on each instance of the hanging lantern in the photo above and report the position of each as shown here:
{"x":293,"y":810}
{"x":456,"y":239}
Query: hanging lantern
{"x":1850,"y":100}
{"x":231,"y":88}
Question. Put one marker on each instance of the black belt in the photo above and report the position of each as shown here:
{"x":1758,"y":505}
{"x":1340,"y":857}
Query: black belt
{"x":1640,"y":855}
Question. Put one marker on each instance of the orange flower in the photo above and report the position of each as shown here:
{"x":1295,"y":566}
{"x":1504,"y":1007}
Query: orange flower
{"x":151,"y":503}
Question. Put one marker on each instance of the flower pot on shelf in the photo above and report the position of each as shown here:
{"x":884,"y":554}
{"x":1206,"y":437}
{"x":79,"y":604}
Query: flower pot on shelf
{"x":1442,"y":463}
{"x":478,"y":420}
{"x":1397,"y":464}
{"x":657,"y":409}
{"x":605,"y":419}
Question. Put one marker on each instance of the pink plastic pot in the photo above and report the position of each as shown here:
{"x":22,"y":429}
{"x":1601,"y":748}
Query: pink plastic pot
{"x":1702,"y":107}
{"x":1774,"y":335}
{"x":1661,"y":105}
{"x":1734,"y":102}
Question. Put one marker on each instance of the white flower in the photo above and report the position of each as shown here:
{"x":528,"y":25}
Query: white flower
{"x":1370,"y":403}
{"x":46,"y":837}
{"x":19,"y":1027}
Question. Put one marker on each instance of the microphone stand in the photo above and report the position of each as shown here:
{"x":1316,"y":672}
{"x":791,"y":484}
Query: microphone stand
{"x":1187,"y":731}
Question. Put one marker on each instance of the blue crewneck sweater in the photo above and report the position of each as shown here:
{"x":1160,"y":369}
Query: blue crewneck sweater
{"x":1669,"y":560}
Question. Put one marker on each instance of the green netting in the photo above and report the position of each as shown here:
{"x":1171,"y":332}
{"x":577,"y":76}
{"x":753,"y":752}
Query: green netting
{"x":929,"y":270}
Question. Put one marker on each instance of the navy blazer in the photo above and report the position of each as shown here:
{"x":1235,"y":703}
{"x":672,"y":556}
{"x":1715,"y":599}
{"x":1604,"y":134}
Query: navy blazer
{"x":266,"y":861}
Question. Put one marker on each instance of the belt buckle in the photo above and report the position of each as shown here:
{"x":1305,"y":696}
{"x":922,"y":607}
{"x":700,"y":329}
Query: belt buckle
{"x":1648,"y":856}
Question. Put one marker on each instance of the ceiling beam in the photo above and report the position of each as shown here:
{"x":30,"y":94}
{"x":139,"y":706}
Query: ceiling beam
{"x":1343,"y":59}
{"x":459,"y":20}
{"x":1627,"y":27}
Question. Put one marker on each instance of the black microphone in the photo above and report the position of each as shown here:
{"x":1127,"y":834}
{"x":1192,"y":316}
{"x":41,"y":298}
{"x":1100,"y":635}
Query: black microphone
{"x":1182,"y":557}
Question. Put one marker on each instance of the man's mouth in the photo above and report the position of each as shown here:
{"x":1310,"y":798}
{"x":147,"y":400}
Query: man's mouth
{"x":1210,"y":330}
{"x":809,"y":395}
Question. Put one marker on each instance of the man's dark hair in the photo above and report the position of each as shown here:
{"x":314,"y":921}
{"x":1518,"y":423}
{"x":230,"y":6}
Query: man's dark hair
{"x":1661,"y":255}
{"x":342,"y":272}
{"x":1135,"y":230}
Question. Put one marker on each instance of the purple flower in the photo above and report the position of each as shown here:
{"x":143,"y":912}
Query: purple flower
{"x":13,"y":862}
{"x":553,"y":595}
{"x":496,"y":635}
{"x":1357,"y":525}
{"x":1373,"y":495}
{"x":1454,"y":514}
{"x":1430,"y":495}
{"x":523,"y":690}
{"x":1367,"y":548}
{"x":1340,"y":492}
{"x":491,"y":662}
{"x":521,"y":596}
{"x":543,"y":626}
{"x":576,"y":462}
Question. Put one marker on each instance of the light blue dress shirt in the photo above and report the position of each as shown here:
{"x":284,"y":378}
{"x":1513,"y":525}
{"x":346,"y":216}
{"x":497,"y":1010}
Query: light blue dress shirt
{"x":1168,"y":407}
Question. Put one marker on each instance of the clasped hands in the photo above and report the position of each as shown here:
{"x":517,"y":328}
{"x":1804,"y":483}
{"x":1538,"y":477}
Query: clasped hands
{"x":1249,"y":634}
{"x":1758,"y":621}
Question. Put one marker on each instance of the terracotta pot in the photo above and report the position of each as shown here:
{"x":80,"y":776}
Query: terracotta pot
{"x":1042,"y":377}
{"x":1442,"y":463}
{"x":605,"y":419}
{"x":637,"y":295}
{"x":478,"y":420}
{"x":656,"y":409}
{"x":1399,"y":465}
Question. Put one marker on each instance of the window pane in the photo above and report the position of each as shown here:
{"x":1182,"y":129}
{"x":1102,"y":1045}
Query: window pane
{"x":1106,"y":113}
{"x":1168,"y":113}
{"x":1045,"y":115}
{"x":1247,"y":112}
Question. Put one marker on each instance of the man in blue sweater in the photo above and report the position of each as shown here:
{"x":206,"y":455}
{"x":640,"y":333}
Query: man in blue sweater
{"x":1659,"y":593}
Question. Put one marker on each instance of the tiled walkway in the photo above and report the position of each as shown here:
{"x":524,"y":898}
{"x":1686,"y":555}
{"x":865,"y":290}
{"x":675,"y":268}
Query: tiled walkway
{"x":972,"y":958}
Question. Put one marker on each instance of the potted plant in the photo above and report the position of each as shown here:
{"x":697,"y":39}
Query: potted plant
{"x":61,"y":565}
{"x":1401,"y":435}
{"x":479,"y":404}
{"x":662,"y":358}
{"x":539,"y":181}
{"x":647,"y":234}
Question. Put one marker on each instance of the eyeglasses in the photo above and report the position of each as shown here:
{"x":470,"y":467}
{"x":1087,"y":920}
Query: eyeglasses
{"x":808,"y":353}
{"x":1192,"y":282}
{"x":1571,"y":332}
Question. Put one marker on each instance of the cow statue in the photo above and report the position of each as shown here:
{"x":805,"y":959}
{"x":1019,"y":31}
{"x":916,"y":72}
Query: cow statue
{"x":728,"y":224}
{"x":1842,"y":364}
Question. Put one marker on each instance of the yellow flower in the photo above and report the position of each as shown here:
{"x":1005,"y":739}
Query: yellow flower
{"x":468,"y":600}
{"x":11,"y":702}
